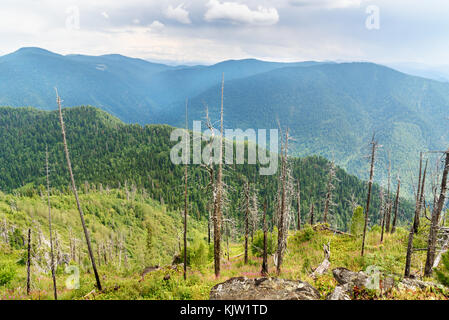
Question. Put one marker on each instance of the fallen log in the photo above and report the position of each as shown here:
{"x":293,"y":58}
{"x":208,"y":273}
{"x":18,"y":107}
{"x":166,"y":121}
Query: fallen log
{"x":324,"y":266}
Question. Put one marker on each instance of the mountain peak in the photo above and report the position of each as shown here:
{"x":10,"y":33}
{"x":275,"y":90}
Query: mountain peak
{"x":33,"y":50}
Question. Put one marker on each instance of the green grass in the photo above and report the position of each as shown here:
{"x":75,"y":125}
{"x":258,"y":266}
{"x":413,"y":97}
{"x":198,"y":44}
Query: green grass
{"x":109,"y":214}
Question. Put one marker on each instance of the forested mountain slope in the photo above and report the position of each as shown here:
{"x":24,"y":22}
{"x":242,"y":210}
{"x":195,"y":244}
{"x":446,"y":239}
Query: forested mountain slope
{"x":106,"y":151}
{"x":332,"y":109}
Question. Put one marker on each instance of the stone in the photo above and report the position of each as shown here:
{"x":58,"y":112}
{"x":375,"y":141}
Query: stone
{"x":242,"y":288}
{"x":339,"y":293}
{"x":346,"y":276}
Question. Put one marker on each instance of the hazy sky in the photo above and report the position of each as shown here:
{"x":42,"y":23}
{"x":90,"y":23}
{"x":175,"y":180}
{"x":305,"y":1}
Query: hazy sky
{"x":208,"y":31}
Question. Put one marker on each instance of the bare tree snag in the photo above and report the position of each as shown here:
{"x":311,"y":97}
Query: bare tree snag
{"x":29,"y":263}
{"x":431,"y":248}
{"x":218,"y":199}
{"x":324,"y":266}
{"x":264,"y":271}
{"x":75,"y":192}
{"x":396,"y":207}
{"x":382,"y":214}
{"x":374,"y":146}
{"x":414,"y":227}
{"x":311,"y":214}
{"x":281,"y":225}
{"x":185,"y":200}
{"x":298,"y":199}
{"x":330,"y":188}
{"x":388,"y":202}
{"x":52,"y":260}
{"x":246,"y":221}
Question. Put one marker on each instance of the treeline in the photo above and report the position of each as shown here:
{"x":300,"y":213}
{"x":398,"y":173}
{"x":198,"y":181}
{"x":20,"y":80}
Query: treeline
{"x":107,"y":153}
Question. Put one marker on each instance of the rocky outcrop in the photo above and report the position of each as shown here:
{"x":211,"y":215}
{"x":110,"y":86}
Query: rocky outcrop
{"x":414,"y":284}
{"x":346,"y":276}
{"x":242,"y":288}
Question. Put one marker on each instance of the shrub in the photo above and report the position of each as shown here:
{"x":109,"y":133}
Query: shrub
{"x":257,"y":245}
{"x":306,"y":234}
{"x":443,"y":271}
{"x":7,"y":273}
{"x":357,"y":221}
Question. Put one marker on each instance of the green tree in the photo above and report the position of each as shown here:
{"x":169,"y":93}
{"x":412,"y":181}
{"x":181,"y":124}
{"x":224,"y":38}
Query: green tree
{"x":357,"y":221}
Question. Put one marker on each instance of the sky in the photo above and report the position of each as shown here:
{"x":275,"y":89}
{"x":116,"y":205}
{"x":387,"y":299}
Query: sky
{"x":209,"y":31}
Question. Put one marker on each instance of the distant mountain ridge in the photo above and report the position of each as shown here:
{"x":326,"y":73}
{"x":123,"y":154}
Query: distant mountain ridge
{"x":332,"y":109}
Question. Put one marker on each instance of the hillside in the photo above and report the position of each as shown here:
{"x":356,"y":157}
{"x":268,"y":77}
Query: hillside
{"x":106,"y":151}
{"x":129,"y":235}
{"x":332,"y":109}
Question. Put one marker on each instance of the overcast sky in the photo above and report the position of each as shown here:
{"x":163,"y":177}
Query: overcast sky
{"x":208,"y":31}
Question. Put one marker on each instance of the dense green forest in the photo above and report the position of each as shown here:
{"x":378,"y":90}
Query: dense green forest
{"x":107,"y":153}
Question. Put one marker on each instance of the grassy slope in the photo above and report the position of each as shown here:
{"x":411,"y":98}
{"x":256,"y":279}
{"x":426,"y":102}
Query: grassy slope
{"x":106,"y":214}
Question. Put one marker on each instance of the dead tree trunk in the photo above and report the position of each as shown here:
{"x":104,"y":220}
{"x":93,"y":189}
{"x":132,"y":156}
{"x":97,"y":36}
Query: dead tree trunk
{"x":418,"y":197}
{"x":382,"y":214}
{"x":311,"y":214}
{"x":185,"y":200}
{"x":282,"y":207}
{"x":330,"y":188}
{"x":29,"y":263}
{"x":218,"y":202}
{"x":246,"y":221}
{"x":396,"y":207}
{"x":388,"y":201}
{"x":431,"y":248}
{"x":370,"y":185}
{"x":324,"y":266}
{"x":414,"y":227}
{"x":264,"y":271}
{"x":52,"y":260}
{"x":75,"y":192}
{"x":298,"y":199}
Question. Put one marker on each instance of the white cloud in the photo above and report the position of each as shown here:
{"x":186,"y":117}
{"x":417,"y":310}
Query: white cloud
{"x":328,"y":4}
{"x":156,"y":25}
{"x":105,"y":14}
{"x":240,"y":13}
{"x":179,"y":14}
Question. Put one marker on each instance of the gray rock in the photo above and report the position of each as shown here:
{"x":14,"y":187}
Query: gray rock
{"x":242,"y":288}
{"x":414,"y":284}
{"x":346,"y":276}
{"x":340,"y":293}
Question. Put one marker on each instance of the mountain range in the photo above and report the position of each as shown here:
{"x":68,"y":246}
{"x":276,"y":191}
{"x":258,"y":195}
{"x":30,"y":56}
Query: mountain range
{"x":332,"y":109}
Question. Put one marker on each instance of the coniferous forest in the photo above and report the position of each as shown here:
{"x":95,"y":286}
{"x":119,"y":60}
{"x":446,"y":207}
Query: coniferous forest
{"x":109,"y":190}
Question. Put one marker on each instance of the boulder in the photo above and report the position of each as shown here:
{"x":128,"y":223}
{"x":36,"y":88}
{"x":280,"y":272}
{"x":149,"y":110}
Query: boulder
{"x":414,"y":284}
{"x":353,"y":279}
{"x":242,"y":288}
{"x":339,"y":293}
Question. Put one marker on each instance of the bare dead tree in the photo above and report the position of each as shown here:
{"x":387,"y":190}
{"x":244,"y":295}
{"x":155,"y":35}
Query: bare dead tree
{"x":52,"y":261}
{"x":29,"y":263}
{"x":388,"y":205}
{"x":414,"y":227}
{"x":254,"y":212}
{"x":298,"y":199}
{"x":382,"y":213}
{"x":311,"y":214}
{"x":186,"y":161}
{"x":436,"y":212}
{"x":282,"y":212}
{"x":396,"y":207}
{"x":374,"y":146}
{"x":75,"y":192}
{"x":330,"y":187}
{"x":218,"y":200}
{"x":264,"y":271}
{"x":246,"y":194}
